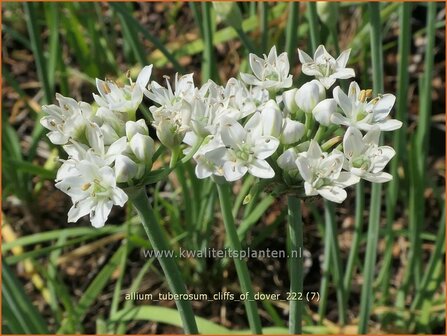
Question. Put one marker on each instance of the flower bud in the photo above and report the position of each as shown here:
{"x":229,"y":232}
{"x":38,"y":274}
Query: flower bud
{"x":125,"y":169}
{"x":286,"y":160}
{"x":309,"y":95}
{"x":288,"y":97}
{"x":271,"y":119}
{"x":134,"y":127}
{"x":292,"y":131}
{"x":324,"y":110}
{"x":110,"y":135}
{"x":170,"y":134}
{"x":142,"y":147}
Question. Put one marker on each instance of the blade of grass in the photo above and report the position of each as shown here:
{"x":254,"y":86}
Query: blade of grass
{"x":399,"y":142}
{"x":331,"y":231}
{"x":312,"y":18}
{"x":131,"y":21}
{"x":417,"y":159}
{"x":292,"y":31}
{"x":264,"y":15}
{"x":241,"y":267}
{"x":21,"y":315}
{"x":367,"y":296}
{"x":357,"y":236}
{"x":295,"y":263}
{"x":209,"y":70}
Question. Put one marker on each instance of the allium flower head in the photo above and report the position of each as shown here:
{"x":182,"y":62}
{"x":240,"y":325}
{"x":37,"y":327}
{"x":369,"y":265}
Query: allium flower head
{"x":324,"y":67}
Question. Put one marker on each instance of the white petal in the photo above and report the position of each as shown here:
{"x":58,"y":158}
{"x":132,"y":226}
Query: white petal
{"x":324,"y":110}
{"x":343,"y":73}
{"x":373,"y":136}
{"x":98,"y":215}
{"x":378,"y":178}
{"x":256,"y":65}
{"x":334,"y":194}
{"x":80,"y":209}
{"x":304,"y":168}
{"x":347,"y":179}
{"x":314,"y":151}
{"x":119,"y":197}
{"x":292,"y":131}
{"x":383,"y":107}
{"x":234,"y":171}
{"x":232,"y":133}
{"x":390,"y":125}
{"x":144,"y":77}
{"x":265,"y":146}
{"x":342,"y":60}
{"x":304,"y":58}
{"x":202,"y":171}
{"x":353,"y":91}
{"x":338,"y":119}
{"x":327,"y":81}
{"x":261,"y":169}
{"x":352,"y":143}
{"x":343,"y":101}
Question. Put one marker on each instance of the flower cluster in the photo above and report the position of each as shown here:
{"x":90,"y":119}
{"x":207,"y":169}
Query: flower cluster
{"x":104,"y":144}
{"x":305,"y":140}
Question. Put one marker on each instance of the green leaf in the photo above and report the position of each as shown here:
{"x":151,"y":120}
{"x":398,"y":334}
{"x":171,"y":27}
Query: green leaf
{"x":19,"y":314}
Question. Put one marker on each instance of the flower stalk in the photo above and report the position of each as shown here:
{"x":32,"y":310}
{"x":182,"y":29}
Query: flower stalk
{"x":154,"y":232}
{"x":295,"y":264}
{"x":241,"y":267}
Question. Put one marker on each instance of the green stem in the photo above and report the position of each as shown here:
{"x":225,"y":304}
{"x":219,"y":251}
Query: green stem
{"x":367,"y":295}
{"x":241,"y":267}
{"x":292,"y":30}
{"x":264,"y":10}
{"x":209,"y":62}
{"x":312,"y":18}
{"x":331,"y":231}
{"x":155,"y":234}
{"x":353,"y":254}
{"x":399,"y":143}
{"x":296,"y":264}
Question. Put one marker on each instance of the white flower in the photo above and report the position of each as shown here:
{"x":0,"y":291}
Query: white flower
{"x":245,"y":152}
{"x":271,"y":72}
{"x":173,"y":117}
{"x":309,"y":95}
{"x":91,"y":184}
{"x":324,"y":111}
{"x":322,"y":173}
{"x":364,"y":114}
{"x":67,"y":121}
{"x":123,"y":99}
{"x":364,"y":157}
{"x":324,"y":67}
